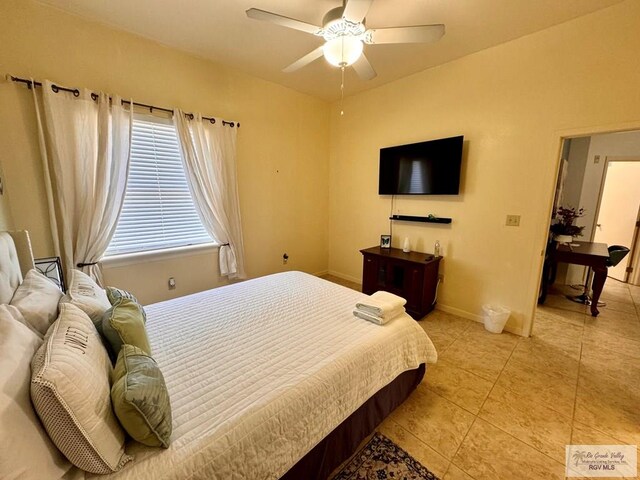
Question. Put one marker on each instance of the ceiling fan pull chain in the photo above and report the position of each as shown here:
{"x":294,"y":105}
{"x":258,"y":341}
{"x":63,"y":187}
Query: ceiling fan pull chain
{"x":342,"y":91}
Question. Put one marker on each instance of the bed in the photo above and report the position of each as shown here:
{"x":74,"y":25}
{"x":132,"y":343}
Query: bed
{"x":273,"y":378}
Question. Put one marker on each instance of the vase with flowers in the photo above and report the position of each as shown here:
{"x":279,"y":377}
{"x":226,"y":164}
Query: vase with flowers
{"x":564,"y":229}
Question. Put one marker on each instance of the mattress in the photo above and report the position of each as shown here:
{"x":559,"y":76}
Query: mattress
{"x":260,"y":371}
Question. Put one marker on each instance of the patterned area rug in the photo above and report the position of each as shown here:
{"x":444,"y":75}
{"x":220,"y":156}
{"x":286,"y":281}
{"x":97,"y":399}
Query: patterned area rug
{"x":381,"y":459}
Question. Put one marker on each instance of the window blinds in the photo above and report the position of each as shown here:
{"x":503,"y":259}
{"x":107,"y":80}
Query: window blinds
{"x":158,"y":210}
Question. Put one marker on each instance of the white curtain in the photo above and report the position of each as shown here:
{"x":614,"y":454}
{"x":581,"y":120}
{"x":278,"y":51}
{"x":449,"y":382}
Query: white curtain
{"x":209,"y":156}
{"x":85,"y":143}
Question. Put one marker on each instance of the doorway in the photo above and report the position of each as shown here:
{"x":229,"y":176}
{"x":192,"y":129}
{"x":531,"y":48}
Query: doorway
{"x":595,"y":169}
{"x":619,"y":211}
{"x":599,"y":173}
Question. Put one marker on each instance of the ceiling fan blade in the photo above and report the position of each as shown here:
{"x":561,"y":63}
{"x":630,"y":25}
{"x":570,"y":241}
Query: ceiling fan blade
{"x":417,"y":34}
{"x":258,"y":14}
{"x":306,"y":60}
{"x":356,"y":10}
{"x":364,"y":69}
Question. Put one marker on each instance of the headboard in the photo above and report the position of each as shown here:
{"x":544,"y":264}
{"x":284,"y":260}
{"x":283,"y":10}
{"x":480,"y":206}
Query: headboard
{"x":16,"y":259}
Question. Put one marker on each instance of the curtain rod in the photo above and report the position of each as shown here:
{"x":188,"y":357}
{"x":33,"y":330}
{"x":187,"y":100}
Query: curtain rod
{"x":94,"y":96}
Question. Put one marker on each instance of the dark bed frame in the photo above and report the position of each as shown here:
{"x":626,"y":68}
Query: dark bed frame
{"x":345,"y":438}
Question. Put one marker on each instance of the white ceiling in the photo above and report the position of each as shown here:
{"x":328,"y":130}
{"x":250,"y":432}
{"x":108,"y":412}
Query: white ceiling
{"x":220,"y":31}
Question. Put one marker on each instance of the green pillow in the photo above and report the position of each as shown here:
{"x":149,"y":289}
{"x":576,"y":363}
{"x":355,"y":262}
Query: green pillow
{"x":114,"y":294}
{"x":124,"y":323}
{"x":140,"y":399}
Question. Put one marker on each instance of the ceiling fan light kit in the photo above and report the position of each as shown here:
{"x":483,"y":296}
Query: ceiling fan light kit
{"x":342,"y":51}
{"x":343,"y":38}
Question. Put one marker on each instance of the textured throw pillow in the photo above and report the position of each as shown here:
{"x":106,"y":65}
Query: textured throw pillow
{"x":140,"y":398}
{"x":71,"y":394}
{"x":25,"y":448}
{"x":114,"y":294}
{"x":37,"y":299}
{"x":124,"y":323}
{"x":88,"y":296}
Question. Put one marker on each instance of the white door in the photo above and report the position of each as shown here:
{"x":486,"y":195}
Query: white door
{"x":618,"y":212}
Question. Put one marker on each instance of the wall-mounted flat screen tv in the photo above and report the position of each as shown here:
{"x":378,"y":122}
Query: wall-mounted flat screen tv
{"x":425,"y":168}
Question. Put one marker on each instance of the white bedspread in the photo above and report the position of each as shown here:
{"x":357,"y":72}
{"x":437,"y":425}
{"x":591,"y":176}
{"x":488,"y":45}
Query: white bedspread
{"x":260,"y":371}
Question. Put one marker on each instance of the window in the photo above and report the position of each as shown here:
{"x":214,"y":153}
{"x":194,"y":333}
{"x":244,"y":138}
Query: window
{"x":158,"y":211}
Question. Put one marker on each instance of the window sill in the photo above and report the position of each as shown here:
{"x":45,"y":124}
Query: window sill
{"x":126,"y":259}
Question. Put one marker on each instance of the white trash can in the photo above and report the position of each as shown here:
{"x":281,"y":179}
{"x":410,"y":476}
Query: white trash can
{"x":495,"y":317}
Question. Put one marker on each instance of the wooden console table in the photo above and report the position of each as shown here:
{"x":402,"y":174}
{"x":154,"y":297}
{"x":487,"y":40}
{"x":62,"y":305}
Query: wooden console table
{"x":590,"y":254}
{"x":413,"y":276}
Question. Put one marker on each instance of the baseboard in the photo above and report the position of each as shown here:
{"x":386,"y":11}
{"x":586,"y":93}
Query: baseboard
{"x":320,"y":273}
{"x":459,"y":312}
{"x":345,"y":277}
{"x":472,"y":316}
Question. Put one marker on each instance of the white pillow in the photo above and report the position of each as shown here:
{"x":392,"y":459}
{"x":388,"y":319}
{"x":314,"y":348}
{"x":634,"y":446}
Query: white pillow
{"x":71,"y":393}
{"x":37,"y":299}
{"x":11,"y":312}
{"x":87,"y":295}
{"x":25,"y":448}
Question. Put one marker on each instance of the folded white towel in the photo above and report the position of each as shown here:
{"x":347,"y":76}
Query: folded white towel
{"x":390,"y":298}
{"x":370,"y":318}
{"x":382,"y":304}
{"x":377,"y":318}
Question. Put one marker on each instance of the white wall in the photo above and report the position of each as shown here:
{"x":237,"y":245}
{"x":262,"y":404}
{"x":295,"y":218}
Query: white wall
{"x":513,"y":103}
{"x":578,"y":154}
{"x":283,"y":170}
{"x":577,"y":162}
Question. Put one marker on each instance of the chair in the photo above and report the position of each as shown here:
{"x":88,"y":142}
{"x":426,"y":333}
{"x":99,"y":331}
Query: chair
{"x":616,"y":254}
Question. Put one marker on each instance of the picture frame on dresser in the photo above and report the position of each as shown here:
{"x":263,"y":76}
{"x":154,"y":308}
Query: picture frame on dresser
{"x":385,"y":241}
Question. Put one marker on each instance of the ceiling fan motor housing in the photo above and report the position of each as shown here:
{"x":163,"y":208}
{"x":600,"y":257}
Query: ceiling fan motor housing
{"x":334,"y":25}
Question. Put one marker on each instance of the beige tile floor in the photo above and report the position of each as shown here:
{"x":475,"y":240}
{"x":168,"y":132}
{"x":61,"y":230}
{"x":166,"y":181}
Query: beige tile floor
{"x":504,"y":407}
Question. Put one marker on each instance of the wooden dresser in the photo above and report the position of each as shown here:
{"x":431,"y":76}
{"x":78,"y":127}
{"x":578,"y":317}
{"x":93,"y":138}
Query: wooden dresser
{"x":413,"y":276}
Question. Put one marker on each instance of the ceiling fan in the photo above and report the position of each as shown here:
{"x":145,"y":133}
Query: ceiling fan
{"x":343,"y":29}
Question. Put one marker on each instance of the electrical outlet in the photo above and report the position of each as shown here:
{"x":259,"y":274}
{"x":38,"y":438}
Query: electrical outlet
{"x":513,"y":221}
{"x":285,"y":259}
{"x":596,"y":159}
{"x":172,"y":283}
